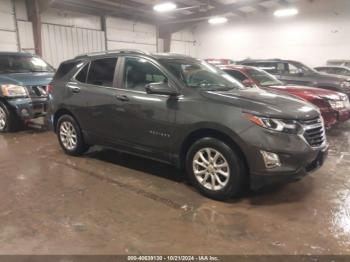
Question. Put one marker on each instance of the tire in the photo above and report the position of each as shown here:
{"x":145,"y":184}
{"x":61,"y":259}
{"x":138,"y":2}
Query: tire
{"x":231,"y":164}
{"x":9,"y":121}
{"x":70,"y":136}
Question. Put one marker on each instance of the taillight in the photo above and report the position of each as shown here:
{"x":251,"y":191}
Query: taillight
{"x":49,"y":88}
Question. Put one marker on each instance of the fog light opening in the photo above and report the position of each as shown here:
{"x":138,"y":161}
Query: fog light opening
{"x":271,"y":160}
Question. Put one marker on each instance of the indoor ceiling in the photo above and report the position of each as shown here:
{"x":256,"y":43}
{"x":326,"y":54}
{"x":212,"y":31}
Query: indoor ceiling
{"x":188,"y":10}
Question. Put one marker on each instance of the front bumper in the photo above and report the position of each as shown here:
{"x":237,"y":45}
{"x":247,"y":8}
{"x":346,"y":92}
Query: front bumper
{"x":296,"y":156}
{"x":259,"y":181}
{"x":29,"y":108}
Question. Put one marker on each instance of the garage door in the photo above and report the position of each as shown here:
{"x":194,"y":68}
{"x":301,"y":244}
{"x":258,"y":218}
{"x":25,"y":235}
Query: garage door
{"x":8,"y":35}
{"x":64,"y":42}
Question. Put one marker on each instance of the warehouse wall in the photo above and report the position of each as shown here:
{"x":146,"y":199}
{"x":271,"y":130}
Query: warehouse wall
{"x":129,"y":34}
{"x":8,"y":30}
{"x":320,"y":32}
{"x":183,"y":42}
{"x":67,"y":34}
{"x":24,"y":27}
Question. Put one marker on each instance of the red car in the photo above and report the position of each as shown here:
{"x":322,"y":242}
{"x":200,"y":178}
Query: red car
{"x":334,"y":106}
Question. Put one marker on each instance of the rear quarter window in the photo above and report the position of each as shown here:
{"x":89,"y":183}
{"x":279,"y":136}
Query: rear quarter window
{"x":65,"y":68}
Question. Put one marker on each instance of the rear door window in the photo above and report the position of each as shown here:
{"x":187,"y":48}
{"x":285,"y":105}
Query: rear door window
{"x":101,"y":72}
{"x":82,"y":75}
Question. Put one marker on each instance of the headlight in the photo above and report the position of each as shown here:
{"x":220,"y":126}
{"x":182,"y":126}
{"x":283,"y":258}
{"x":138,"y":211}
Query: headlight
{"x":337,"y":104}
{"x":13,"y":91}
{"x":280,"y":125}
{"x":345,"y":84}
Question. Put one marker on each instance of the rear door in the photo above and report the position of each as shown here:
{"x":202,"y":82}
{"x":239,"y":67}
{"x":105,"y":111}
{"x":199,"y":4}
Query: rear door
{"x":91,"y":96}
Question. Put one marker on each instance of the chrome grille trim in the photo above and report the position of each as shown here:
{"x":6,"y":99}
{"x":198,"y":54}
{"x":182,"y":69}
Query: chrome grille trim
{"x":37,"y":90}
{"x":314,"y":132}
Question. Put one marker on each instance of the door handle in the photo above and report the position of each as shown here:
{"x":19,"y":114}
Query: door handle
{"x":122,"y":98}
{"x":75,"y":89}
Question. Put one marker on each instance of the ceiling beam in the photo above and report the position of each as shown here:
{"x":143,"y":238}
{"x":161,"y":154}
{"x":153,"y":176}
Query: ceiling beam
{"x":219,"y":10}
{"x":101,"y":11}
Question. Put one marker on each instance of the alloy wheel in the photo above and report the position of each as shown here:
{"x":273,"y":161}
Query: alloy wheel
{"x":68,"y":135}
{"x":211,"y":169}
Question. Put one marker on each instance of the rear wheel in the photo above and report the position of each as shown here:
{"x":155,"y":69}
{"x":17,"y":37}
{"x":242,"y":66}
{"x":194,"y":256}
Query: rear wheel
{"x":215,"y":169}
{"x":70,"y":136}
{"x":9,"y":121}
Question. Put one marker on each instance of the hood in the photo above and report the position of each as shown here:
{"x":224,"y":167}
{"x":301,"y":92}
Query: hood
{"x":27,"y":79}
{"x":312,"y":92}
{"x":263,"y":103}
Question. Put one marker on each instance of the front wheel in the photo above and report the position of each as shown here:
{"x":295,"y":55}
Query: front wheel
{"x":9,"y":121}
{"x":215,"y":169}
{"x":70,"y":136}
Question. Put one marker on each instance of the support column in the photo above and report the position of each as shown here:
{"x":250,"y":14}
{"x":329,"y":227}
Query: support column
{"x":165,"y":34}
{"x":34,"y":16}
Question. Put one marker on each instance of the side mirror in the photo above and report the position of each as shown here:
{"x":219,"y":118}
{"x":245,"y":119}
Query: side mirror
{"x":162,"y":88}
{"x":248,"y":83}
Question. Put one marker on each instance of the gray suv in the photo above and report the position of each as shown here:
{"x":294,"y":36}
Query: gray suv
{"x":294,"y":72}
{"x":185,"y":112}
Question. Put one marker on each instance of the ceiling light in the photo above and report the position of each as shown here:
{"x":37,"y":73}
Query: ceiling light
{"x":286,"y":12}
{"x":164,"y":7}
{"x":217,"y":20}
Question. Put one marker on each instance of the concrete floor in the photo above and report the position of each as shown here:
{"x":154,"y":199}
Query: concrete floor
{"x":111,"y":203}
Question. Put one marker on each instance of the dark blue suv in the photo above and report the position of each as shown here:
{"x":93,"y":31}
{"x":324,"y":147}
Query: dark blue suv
{"x":23,"y":88}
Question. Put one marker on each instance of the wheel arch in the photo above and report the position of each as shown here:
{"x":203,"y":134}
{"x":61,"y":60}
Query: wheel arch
{"x":61,"y":112}
{"x":221,"y":135}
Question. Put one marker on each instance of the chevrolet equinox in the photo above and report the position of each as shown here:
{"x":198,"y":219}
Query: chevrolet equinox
{"x":185,"y":112}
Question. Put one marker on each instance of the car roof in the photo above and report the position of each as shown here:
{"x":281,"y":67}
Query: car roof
{"x":133,"y":52}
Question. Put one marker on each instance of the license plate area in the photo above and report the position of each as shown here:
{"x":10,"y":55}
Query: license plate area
{"x":39,"y":108}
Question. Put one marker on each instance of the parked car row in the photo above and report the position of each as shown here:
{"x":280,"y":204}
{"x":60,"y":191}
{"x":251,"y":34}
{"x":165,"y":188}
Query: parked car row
{"x":226,"y":127}
{"x":334,"y":106}
{"x":296,"y":73}
{"x":330,"y":93}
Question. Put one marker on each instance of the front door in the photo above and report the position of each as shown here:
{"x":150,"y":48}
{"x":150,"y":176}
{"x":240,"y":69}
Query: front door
{"x":148,"y":118}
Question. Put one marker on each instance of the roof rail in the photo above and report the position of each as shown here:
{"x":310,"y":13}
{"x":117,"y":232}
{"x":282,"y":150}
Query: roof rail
{"x":117,"y":51}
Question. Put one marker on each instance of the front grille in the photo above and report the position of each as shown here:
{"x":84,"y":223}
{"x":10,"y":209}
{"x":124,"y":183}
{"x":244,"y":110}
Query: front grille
{"x":314,"y":131}
{"x":37,"y":91}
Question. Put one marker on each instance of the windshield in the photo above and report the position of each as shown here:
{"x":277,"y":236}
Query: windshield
{"x":22,"y":64}
{"x":199,"y":74}
{"x":305,"y":68}
{"x":264,"y":78}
